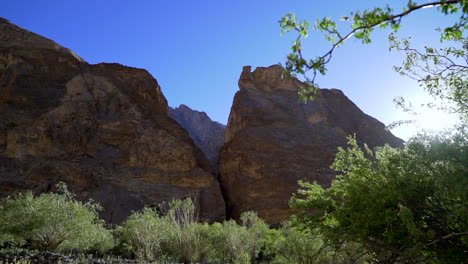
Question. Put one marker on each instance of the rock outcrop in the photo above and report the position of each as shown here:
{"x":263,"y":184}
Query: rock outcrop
{"x":208,"y":135}
{"x":272,"y":141}
{"x":103,"y":129}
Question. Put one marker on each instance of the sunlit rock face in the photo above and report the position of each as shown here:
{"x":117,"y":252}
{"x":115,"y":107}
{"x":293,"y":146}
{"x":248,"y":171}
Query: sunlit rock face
{"x":208,"y":135}
{"x":272,"y":141}
{"x":103,"y":129}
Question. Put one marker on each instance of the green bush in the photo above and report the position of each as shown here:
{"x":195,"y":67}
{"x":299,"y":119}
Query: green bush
{"x":143,"y":235}
{"x":233,"y":243}
{"x":53,"y":222}
{"x":185,"y":236}
{"x":291,"y":244}
{"x":177,"y":237}
{"x":403,"y":205}
{"x":295,"y":246}
{"x":151,"y":236}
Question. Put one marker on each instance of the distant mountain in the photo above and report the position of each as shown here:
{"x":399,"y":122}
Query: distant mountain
{"x":207,"y":134}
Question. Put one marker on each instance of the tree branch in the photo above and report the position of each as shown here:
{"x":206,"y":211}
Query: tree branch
{"x":324,"y":59}
{"x":447,"y":237}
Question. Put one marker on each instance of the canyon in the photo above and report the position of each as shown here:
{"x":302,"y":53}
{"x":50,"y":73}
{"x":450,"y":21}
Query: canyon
{"x":106,"y":130}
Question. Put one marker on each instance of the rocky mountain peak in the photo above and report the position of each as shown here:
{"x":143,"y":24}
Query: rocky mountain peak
{"x":267,"y":79}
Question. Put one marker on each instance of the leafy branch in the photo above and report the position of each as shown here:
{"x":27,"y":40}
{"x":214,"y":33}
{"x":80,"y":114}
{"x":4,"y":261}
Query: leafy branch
{"x":442,"y":72}
{"x":363,"y":24}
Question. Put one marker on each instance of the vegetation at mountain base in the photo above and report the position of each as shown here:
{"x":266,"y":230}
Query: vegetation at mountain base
{"x":57,"y":222}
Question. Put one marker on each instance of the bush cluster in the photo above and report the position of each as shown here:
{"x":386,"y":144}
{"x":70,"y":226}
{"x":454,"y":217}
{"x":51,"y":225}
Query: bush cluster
{"x":57,"y":222}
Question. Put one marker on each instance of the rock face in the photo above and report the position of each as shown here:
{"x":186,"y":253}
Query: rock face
{"x":103,"y":129}
{"x":272,"y":141}
{"x":208,"y":135}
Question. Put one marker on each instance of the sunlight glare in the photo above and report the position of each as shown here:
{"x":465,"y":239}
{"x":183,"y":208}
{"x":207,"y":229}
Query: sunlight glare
{"x":435,"y":120}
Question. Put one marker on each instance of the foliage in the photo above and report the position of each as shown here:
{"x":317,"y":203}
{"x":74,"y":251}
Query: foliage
{"x":170,"y":237}
{"x":256,"y":232}
{"x":177,"y":237}
{"x":402,"y":204}
{"x":442,"y":72}
{"x":233,"y":243}
{"x":185,"y":236}
{"x":362,"y":24}
{"x":297,"y":246}
{"x":144,"y":233}
{"x":292,"y":244}
{"x":53,"y":222}
{"x":234,"y":248}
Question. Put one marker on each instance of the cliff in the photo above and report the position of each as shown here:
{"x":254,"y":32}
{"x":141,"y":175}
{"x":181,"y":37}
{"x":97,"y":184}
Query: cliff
{"x":103,"y":129}
{"x":272,"y":141}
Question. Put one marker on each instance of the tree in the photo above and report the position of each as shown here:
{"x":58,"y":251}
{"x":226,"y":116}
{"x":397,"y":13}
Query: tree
{"x":442,"y":73}
{"x":403,"y":205}
{"x":53,"y":222}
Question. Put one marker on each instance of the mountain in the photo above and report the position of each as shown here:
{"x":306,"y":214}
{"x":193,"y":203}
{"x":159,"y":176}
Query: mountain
{"x":208,"y":135}
{"x":272,"y":141}
{"x":103,"y":129}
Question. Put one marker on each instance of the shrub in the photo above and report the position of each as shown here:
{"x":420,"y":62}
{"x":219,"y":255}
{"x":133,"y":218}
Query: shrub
{"x":177,"y":237}
{"x":171,"y":237}
{"x":53,"y":222}
{"x":403,"y":205}
{"x":291,"y":244}
{"x":144,"y":233}
{"x":184,"y":243}
{"x":233,"y":243}
{"x":257,"y":230}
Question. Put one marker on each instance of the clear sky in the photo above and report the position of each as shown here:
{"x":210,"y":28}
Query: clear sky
{"x":196,"y":49}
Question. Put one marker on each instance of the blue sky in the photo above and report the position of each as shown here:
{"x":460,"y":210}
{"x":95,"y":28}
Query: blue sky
{"x":196,"y":49}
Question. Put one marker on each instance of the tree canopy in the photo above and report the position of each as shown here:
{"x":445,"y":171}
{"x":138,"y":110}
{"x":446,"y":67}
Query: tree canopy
{"x":402,"y":204}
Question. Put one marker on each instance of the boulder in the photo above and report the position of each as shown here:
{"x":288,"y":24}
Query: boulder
{"x":272,"y":141}
{"x":103,"y":129}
